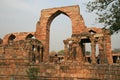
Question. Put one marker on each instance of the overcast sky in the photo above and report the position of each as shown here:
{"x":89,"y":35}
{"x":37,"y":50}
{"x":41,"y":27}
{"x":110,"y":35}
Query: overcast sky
{"x":22,"y":15}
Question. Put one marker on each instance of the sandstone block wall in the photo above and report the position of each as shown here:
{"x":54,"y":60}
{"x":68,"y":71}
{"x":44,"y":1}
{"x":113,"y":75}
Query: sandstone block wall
{"x":70,"y":71}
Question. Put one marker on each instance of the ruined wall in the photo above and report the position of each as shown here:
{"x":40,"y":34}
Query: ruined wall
{"x":18,"y":52}
{"x":21,"y":52}
{"x":69,"y":71}
{"x":13,"y":52}
{"x":17,"y":36}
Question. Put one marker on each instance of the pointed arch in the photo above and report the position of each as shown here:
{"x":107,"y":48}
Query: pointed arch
{"x":92,"y":31}
{"x":29,"y":36}
{"x":50,"y":19}
{"x":11,"y":37}
{"x":54,"y":15}
{"x":60,"y":26}
{"x":47,"y":16}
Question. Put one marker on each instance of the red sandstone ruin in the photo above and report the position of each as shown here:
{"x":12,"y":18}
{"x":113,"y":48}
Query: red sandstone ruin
{"x":19,"y":51}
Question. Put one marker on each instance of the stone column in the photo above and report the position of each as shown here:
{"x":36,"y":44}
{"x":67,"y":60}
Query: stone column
{"x":102,"y":54}
{"x":83,"y":48}
{"x":107,"y":46}
{"x":41,"y":53}
{"x":83,"y":51}
{"x":93,"y":50}
{"x":108,"y":52}
{"x":65,"y":49}
{"x":80,"y":56}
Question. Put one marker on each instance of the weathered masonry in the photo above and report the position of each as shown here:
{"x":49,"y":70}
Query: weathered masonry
{"x":23,"y":50}
{"x":47,"y":16}
{"x":78,"y":29}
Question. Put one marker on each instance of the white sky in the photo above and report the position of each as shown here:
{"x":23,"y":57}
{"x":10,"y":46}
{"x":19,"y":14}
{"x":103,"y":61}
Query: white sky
{"x":22,"y":15}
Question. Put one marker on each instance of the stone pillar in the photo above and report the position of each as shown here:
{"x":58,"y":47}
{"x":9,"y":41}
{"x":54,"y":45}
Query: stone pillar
{"x":41,"y":53}
{"x":80,"y":56}
{"x":102,"y":54}
{"x":65,"y":49}
{"x":93,"y":50}
{"x":107,"y":45}
{"x":82,"y":49}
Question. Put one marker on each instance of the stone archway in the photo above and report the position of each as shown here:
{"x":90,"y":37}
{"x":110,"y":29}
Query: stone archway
{"x":47,"y":16}
{"x":60,"y":29}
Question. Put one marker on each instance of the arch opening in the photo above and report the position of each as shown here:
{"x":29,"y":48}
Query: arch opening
{"x":60,"y":29}
{"x":30,"y":36}
{"x":11,"y":39}
{"x":57,"y":13}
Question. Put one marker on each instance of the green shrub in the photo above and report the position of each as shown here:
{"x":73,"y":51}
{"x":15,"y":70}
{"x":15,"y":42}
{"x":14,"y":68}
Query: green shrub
{"x":32,"y":73}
